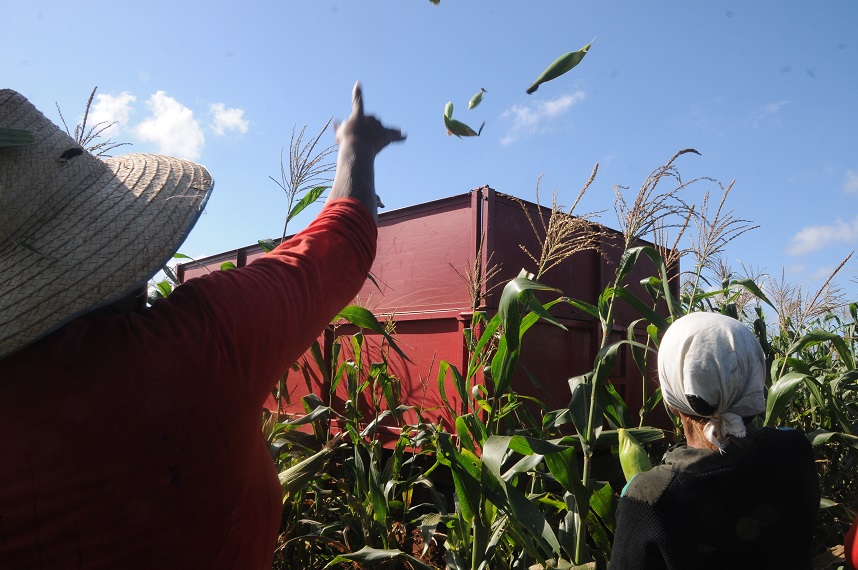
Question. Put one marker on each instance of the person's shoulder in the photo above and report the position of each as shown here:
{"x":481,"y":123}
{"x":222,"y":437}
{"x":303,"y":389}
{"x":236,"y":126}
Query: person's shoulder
{"x":649,"y":486}
{"x":788,"y":441}
{"x":784,"y":436}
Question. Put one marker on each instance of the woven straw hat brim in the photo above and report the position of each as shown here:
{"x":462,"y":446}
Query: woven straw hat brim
{"x":80,"y":233}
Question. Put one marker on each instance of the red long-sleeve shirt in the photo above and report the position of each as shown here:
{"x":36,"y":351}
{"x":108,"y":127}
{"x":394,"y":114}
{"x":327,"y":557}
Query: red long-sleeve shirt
{"x":133,"y":441}
{"x":850,"y":545}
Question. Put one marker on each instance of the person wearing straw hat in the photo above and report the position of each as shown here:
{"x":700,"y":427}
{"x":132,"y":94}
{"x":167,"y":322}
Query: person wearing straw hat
{"x":734,"y":496}
{"x":130,"y":435}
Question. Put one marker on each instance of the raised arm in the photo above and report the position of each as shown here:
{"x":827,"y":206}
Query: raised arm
{"x":360,"y":138}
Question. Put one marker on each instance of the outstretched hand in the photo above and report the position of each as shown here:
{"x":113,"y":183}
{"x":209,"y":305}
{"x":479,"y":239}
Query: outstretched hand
{"x":360,"y":129}
{"x":360,"y":138}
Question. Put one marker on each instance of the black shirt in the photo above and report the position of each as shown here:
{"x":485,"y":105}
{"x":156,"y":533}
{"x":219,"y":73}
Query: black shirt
{"x":751,"y":507}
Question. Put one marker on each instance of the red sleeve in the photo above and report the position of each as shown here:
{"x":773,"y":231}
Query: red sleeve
{"x":160,"y":413}
{"x":268,"y":313}
{"x":850,"y":545}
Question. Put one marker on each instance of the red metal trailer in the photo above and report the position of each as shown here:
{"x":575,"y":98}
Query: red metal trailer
{"x":423,"y":252}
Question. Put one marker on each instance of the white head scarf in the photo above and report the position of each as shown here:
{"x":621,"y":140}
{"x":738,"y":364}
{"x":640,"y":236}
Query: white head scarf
{"x":711,"y":365}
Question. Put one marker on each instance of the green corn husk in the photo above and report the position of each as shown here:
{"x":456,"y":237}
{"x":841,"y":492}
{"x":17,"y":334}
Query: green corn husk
{"x":560,"y":66}
{"x":298,"y":476}
{"x":476,"y":99}
{"x":458,"y":128}
{"x":633,"y":457}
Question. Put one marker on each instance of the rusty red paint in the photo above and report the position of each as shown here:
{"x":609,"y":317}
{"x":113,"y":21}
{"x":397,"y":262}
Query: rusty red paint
{"x":422,"y":251}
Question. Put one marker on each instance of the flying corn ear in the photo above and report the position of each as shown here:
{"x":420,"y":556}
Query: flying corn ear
{"x":477,"y":99}
{"x":560,"y":66}
{"x":16,"y":137}
{"x":633,"y":457}
{"x":458,"y":128}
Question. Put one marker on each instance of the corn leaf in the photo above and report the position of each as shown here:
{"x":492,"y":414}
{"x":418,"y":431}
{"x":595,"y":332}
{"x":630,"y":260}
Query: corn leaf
{"x":821,"y":436}
{"x":323,"y":412}
{"x":267,"y":244}
{"x":508,"y":309}
{"x":816,"y":337}
{"x":364,"y":319}
{"x":610,"y":437}
{"x":780,"y":395}
{"x":754,"y":289}
{"x":520,"y":509}
{"x":641,"y":307}
{"x":164,"y":288}
{"x":579,"y":405}
{"x":614,"y":407}
{"x":308,"y":198}
{"x":376,"y":556}
{"x":298,"y":476}
{"x":564,"y":467}
{"x":603,"y":502}
{"x":591,"y":310}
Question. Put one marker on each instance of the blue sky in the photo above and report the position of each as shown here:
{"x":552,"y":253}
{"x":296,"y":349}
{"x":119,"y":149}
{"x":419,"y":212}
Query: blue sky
{"x":767,"y":91}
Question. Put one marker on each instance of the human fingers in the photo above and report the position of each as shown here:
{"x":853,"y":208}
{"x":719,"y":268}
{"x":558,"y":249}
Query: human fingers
{"x":357,"y":100}
{"x":396,"y":135}
{"x":386,"y":135}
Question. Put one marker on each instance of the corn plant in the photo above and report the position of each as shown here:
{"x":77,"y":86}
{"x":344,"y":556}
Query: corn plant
{"x":524,"y":495}
{"x":514,"y":483}
{"x":305,"y":175}
{"x":352,"y":500}
{"x":813,"y":386}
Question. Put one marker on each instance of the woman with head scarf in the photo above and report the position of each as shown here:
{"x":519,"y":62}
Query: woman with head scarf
{"x":733,"y":496}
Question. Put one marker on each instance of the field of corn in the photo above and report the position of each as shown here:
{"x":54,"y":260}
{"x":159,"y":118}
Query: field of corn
{"x":514,"y":484}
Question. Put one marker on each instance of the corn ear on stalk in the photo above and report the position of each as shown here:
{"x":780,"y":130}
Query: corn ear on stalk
{"x":296,"y":477}
{"x":633,"y":457}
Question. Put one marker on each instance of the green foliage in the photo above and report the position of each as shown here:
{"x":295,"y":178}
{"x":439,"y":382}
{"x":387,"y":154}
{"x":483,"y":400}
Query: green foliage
{"x":512,"y":484}
{"x":347,"y":499}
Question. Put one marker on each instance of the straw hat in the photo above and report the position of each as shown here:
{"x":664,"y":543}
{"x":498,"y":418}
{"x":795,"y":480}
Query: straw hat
{"x":77,"y":232}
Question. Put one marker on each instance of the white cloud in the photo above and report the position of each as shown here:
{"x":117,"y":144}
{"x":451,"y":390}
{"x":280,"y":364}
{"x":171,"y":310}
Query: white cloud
{"x":112,"y":110}
{"x":531,"y":119}
{"x":224,"y":119}
{"x":171,"y":127}
{"x":823,"y":273}
{"x":850,"y":185}
{"x":813,"y":238}
{"x":766,"y":112}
